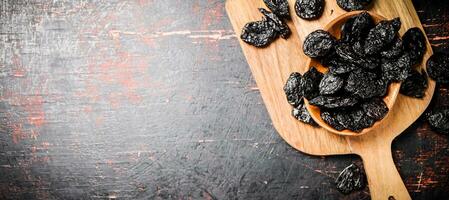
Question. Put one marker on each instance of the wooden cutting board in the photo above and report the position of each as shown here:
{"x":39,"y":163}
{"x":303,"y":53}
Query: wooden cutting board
{"x":272,"y":66}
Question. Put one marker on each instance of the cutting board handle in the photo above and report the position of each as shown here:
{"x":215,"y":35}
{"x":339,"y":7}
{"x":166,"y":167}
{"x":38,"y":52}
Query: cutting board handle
{"x":384,"y":180}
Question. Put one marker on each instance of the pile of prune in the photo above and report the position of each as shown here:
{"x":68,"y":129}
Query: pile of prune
{"x":361,"y":64}
{"x":350,"y":179}
{"x":262,"y":33}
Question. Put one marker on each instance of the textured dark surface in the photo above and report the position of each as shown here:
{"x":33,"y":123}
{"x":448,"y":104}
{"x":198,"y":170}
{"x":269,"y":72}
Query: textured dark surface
{"x":142,"y":99}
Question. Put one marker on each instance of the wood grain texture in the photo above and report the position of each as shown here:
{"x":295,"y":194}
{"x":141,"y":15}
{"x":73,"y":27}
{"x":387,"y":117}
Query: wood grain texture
{"x":272,"y":66}
{"x":145,"y":99}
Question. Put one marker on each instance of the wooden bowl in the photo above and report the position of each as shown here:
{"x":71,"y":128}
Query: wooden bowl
{"x":393,"y":89}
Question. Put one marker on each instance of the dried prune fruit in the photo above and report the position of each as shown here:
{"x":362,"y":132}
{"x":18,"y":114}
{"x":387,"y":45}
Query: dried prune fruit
{"x":350,"y":179}
{"x":258,"y":33}
{"x":331,"y":84}
{"x":362,"y":84}
{"x":278,"y":7}
{"x":381,"y":35}
{"x":415,"y":85}
{"x":333,"y":101}
{"x":439,"y":120}
{"x":277,"y":24}
{"x":359,"y":120}
{"x":398,"y":69}
{"x":318,"y":43}
{"x":302,"y":114}
{"x":337,"y":65}
{"x":375,"y":108}
{"x":330,"y":119}
{"x":310,"y":83}
{"x":438,"y":67}
{"x":415,"y":43}
{"x":351,"y":5}
{"x":346,"y":53}
{"x":357,"y":27}
{"x":395,"y":50}
{"x":309,"y":9}
{"x":293,"y":90}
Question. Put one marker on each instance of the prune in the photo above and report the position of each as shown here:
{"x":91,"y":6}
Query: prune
{"x":293,"y":90}
{"x":438,"y":67}
{"x":310,"y":83}
{"x":381,"y":35}
{"x":398,"y":69}
{"x":309,"y":9}
{"x":302,"y":114}
{"x":333,"y":101}
{"x":337,"y":65}
{"x":357,"y":27}
{"x":415,"y":44}
{"x":362,"y":84}
{"x":358,"y":120}
{"x":439,"y":120}
{"x":415,"y":85}
{"x":375,"y":108}
{"x":351,"y":5}
{"x":350,"y":179}
{"x":278,"y":7}
{"x":346,"y":53}
{"x":395,"y":50}
{"x":318,"y":43}
{"x":258,"y":33}
{"x":330,"y":84}
{"x":329,"y":118}
{"x":277,"y":24}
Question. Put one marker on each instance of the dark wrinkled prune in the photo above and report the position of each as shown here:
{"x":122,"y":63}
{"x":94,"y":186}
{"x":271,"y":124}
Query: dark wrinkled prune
{"x":439,"y":120}
{"x":351,"y":5}
{"x":293,"y":90}
{"x":381,"y":87}
{"x":415,"y":43}
{"x":362,"y":84}
{"x":438,"y":67}
{"x":330,"y":119}
{"x":330,"y":84}
{"x":318,"y":43}
{"x":415,"y":85}
{"x":381,"y":35}
{"x":309,"y":9}
{"x":278,"y":7}
{"x":337,"y":65}
{"x":277,"y":24}
{"x":375,"y":108}
{"x":359,"y":120}
{"x":359,"y":48}
{"x":393,"y":51}
{"x":333,"y":102}
{"x":357,"y":27}
{"x":258,"y":33}
{"x":396,"y":69}
{"x":350,"y":179}
{"x":302,"y":114}
{"x":346,"y":53}
{"x":310,"y":83}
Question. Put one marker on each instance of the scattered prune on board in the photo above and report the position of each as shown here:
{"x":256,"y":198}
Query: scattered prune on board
{"x":415,"y":85}
{"x":395,"y":50}
{"x":351,"y":5}
{"x":278,"y":7}
{"x":330,"y":119}
{"x":258,"y":33}
{"x":276,"y":23}
{"x":381,"y":35}
{"x":438,"y":67}
{"x":309,"y":9}
{"x":362,"y":84}
{"x":439,"y":120}
{"x":330,"y":84}
{"x":302,"y":114}
{"x":310,"y":83}
{"x":293,"y":90}
{"x":350,"y":179}
{"x":333,"y":101}
{"x":375,"y":108}
{"x":357,"y":27}
{"x":318,"y":43}
{"x":415,"y":43}
{"x":397,"y":69}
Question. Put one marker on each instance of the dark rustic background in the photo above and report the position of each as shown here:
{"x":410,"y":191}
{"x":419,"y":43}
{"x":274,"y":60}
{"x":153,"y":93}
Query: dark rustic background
{"x":153,"y":99}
